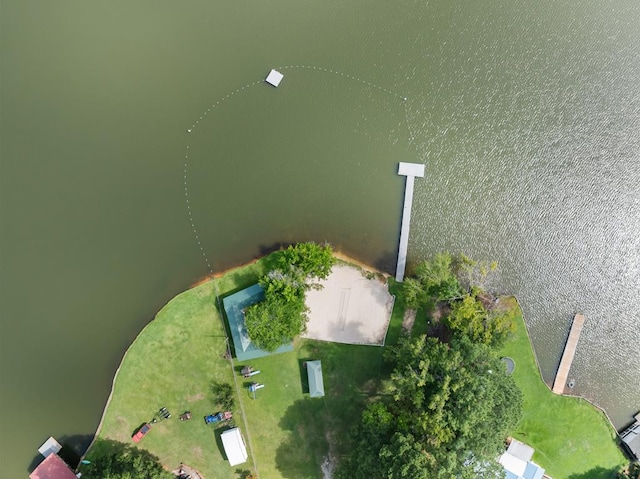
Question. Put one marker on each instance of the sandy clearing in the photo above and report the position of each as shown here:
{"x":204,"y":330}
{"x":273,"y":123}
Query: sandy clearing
{"x":349,"y":308}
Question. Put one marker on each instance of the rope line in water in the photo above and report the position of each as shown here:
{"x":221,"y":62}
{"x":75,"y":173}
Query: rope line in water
{"x":193,"y":224}
{"x":186,"y":170}
{"x":346,"y":75}
{"x":249,"y":85}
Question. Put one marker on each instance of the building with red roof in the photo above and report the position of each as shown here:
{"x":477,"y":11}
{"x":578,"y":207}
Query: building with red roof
{"x":52,"y":468}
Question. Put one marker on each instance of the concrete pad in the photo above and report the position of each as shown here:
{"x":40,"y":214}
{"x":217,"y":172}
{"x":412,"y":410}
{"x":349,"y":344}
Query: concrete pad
{"x":349,"y":308}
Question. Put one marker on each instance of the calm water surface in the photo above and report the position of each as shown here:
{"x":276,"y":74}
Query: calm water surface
{"x":527,"y":117}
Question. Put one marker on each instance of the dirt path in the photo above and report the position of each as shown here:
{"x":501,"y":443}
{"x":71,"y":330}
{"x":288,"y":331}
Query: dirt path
{"x":408,"y":320}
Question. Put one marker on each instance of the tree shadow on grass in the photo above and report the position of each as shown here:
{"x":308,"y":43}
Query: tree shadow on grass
{"x":596,"y":473}
{"x":304,"y":378}
{"x":352,"y":377}
{"x":217,"y":432}
{"x":300,"y":455}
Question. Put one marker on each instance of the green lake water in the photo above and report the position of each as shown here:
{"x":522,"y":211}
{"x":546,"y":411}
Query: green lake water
{"x":526,"y":115}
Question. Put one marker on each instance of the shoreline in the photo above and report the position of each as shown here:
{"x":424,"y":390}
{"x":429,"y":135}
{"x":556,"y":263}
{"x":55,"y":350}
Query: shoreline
{"x":535,"y":357}
{"x":337,"y":254}
{"x":340,"y":256}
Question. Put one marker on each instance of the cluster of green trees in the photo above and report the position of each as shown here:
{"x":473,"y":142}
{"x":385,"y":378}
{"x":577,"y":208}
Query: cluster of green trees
{"x":116,"y":460}
{"x":449,"y":405}
{"x":460,"y":284}
{"x":283,"y":313}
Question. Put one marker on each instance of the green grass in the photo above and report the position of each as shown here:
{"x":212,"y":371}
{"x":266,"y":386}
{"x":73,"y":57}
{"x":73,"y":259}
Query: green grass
{"x":571,"y":438}
{"x":175,"y":359}
{"x":173,"y":363}
{"x":291,"y":433}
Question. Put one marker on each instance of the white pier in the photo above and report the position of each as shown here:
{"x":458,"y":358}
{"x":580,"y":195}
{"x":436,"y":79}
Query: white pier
{"x":411,"y":171}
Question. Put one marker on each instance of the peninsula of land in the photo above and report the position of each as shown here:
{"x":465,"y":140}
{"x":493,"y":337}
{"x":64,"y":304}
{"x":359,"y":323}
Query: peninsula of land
{"x":179,"y":358}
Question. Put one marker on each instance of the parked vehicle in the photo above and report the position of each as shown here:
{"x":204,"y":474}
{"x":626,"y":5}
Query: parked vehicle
{"x":141,"y":432}
{"x":219,"y":417}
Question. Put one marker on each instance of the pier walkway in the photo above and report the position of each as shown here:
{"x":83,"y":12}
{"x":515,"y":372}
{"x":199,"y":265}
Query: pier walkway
{"x":410,"y":170}
{"x":567,"y":356}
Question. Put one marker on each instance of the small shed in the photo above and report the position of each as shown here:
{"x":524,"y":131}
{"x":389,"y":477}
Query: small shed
{"x":274,"y":78}
{"x":234,"y":446}
{"x":316,"y":383}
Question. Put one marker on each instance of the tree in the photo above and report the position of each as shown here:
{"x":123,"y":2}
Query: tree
{"x":274,"y":321}
{"x":470,"y":318}
{"x":455,"y":399}
{"x":367,"y":438}
{"x":474,"y":274}
{"x":449,"y":410}
{"x":434,"y":279}
{"x":459,"y":282}
{"x":116,"y":460}
{"x":223,"y":395}
{"x":311,"y":259}
{"x":283,"y":314}
{"x":404,"y":458}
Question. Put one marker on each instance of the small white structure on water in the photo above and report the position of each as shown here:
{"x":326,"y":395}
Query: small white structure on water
{"x":53,"y":467}
{"x":274,"y":78}
{"x":50,"y":446}
{"x":411,"y":171}
{"x":234,"y":446}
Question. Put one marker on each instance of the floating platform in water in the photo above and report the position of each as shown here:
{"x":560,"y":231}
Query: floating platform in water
{"x":567,"y":355}
{"x":274,"y":78}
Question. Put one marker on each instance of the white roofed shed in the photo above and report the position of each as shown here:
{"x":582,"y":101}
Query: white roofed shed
{"x":234,"y":446}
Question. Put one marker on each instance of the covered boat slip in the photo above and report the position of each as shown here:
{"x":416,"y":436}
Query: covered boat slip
{"x":234,"y":446}
{"x":316,"y":383}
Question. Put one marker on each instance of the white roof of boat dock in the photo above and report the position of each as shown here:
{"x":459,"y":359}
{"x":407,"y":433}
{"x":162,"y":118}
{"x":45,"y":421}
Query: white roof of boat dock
{"x":50,"y":446}
{"x":411,"y":169}
{"x":274,"y":78}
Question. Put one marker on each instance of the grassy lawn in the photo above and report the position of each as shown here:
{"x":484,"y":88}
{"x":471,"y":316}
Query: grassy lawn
{"x":291,"y":432}
{"x":172,"y":363}
{"x":572,"y":439}
{"x":175,"y":359}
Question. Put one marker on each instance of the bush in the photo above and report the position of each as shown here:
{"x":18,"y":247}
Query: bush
{"x":223,"y":395}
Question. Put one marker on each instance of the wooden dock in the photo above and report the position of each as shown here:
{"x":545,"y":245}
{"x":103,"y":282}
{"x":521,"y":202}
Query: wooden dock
{"x":567,"y":356}
{"x":410,"y":170}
